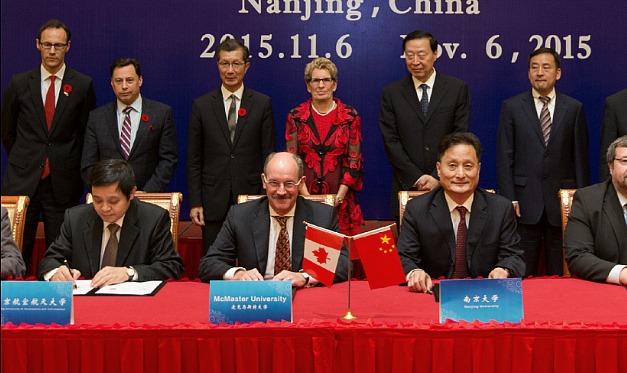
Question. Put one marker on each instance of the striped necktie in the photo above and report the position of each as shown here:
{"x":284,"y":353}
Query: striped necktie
{"x":545,"y":119}
{"x":125,"y":136}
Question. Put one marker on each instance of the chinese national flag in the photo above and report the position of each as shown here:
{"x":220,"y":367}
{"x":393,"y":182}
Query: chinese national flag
{"x":322,"y":251}
{"x":379,"y":257}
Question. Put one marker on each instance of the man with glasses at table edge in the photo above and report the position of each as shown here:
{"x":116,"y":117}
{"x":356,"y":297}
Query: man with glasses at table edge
{"x":595,"y":240}
{"x":253,"y":231}
{"x":231,"y":131}
{"x":44,"y":114}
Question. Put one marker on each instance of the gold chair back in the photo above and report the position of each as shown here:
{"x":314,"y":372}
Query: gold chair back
{"x":16,"y":206}
{"x":323,"y":198}
{"x":404,"y":196}
{"x":170,"y":202}
{"x":566,"y":200}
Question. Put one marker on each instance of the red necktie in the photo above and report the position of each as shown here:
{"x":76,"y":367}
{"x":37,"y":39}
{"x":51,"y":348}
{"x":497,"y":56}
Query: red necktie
{"x":125,"y":136}
{"x":49,"y":110}
{"x":282,"y":256}
{"x":461,"y":263}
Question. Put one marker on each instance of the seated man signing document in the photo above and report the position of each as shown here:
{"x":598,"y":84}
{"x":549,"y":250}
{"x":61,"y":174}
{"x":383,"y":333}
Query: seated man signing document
{"x":458,"y":230}
{"x":116,"y":239}
{"x":267,"y":236}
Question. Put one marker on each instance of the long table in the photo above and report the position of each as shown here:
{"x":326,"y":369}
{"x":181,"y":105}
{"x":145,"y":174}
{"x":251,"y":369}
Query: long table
{"x":570,"y":325}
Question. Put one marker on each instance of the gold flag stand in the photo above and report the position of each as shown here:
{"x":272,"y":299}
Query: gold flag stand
{"x":349,"y":315}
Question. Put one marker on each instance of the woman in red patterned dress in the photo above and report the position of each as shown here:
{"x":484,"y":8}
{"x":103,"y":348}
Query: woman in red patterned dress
{"x":326,"y":134}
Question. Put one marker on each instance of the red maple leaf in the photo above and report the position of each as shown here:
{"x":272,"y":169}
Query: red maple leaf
{"x":321,"y":255}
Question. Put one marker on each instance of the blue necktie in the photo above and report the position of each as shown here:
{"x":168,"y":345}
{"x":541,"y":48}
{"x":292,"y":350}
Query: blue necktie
{"x":424,"y":101}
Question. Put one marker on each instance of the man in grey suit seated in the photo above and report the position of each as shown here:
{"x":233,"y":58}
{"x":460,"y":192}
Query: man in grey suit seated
{"x":459,"y":230}
{"x":595,"y":240}
{"x":115,"y":239}
{"x":255,"y":233}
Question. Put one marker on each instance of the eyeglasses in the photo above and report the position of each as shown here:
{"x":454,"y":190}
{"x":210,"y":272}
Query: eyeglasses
{"x":622,"y":161}
{"x":57,"y":46}
{"x":235,"y":65}
{"x":324,"y":80}
{"x":286,"y":185}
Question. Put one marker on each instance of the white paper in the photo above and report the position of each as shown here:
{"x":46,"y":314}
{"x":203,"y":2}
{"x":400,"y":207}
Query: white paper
{"x":82,"y":287}
{"x":130,"y":288}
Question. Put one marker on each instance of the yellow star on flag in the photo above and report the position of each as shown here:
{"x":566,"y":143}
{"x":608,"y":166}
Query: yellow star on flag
{"x":385,"y":239}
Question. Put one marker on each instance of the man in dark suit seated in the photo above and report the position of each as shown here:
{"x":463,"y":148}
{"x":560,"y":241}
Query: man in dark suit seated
{"x":459,"y":231}
{"x":416,"y":112}
{"x":134,"y":128}
{"x":116,"y":239}
{"x":595,"y":240}
{"x":253,"y":232}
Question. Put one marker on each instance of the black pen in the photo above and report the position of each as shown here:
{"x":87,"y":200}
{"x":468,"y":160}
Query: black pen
{"x":70,"y":269}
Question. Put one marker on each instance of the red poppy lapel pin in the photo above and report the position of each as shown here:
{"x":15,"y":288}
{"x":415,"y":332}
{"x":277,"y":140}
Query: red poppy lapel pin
{"x":145,"y":118}
{"x":67,"y":89}
{"x":241,"y":112}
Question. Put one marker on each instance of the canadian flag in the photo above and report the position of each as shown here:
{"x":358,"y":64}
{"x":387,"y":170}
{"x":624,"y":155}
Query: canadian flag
{"x":322,"y":251}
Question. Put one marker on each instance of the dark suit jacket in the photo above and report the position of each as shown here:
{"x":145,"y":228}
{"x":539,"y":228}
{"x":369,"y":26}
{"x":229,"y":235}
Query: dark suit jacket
{"x":27,"y":141}
{"x":145,"y":243}
{"x":218,"y":169}
{"x":614,"y":126}
{"x":595,"y":239}
{"x":245,"y":233}
{"x":154,"y":153}
{"x":411,"y":139}
{"x":532,"y":173}
{"x":427,"y":238}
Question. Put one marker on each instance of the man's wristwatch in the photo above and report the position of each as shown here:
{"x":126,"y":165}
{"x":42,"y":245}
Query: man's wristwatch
{"x":305,"y":276}
{"x":130,"y":271}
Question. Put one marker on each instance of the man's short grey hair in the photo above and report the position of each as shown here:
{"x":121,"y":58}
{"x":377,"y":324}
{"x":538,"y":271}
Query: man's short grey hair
{"x":620,"y":142}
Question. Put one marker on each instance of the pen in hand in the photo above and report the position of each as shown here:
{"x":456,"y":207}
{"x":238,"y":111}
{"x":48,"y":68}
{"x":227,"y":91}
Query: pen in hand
{"x":70,"y":269}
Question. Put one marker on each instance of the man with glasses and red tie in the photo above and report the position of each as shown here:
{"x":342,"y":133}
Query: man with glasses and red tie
{"x":595,"y":240}
{"x":231,"y":131}
{"x":459,"y":230}
{"x":133,"y":128}
{"x":264,"y":239}
{"x":44,"y":114}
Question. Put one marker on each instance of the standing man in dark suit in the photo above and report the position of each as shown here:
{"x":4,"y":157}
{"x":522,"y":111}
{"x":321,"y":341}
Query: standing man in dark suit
{"x":595,"y":240}
{"x":416,"y":113}
{"x":231,"y":131}
{"x":459,"y":231}
{"x":145,"y":137}
{"x":115,"y":239}
{"x":614,"y":126}
{"x":252,"y":231}
{"x":542,"y":147}
{"x":44,"y":114}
